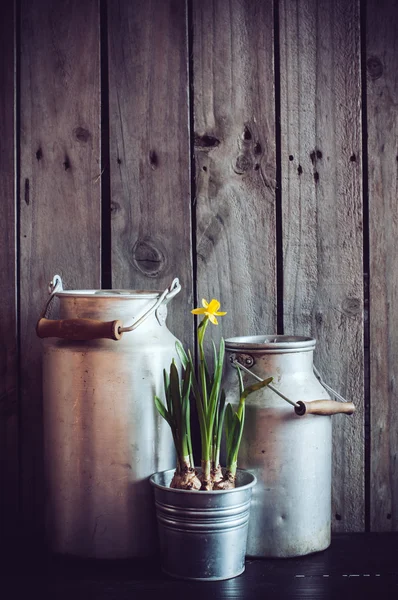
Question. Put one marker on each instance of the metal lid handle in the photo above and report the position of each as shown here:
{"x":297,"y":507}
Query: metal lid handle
{"x":90,"y":329}
{"x":167,"y":295}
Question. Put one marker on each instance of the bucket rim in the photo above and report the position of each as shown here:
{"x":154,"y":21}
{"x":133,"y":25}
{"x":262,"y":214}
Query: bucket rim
{"x":271,"y":343}
{"x":169,"y":473}
{"x":116,"y":293}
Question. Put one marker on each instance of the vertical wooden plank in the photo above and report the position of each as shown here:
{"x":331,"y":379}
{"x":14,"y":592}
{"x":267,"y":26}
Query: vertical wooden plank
{"x":322,"y":216}
{"x":382,"y":124}
{"x":235,"y":161}
{"x":8,"y":328}
{"x":60,"y":190}
{"x":149,"y":151}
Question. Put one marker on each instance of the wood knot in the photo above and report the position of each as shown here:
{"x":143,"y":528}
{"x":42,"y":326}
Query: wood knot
{"x":27,"y":192}
{"x":247,"y":134}
{"x":205,"y":142}
{"x":81,"y":134}
{"x":242,"y":164}
{"x":318,"y":318}
{"x":315,"y":155}
{"x":148,"y":258}
{"x":39,"y":154}
{"x":375,"y":67}
{"x":153,"y":160}
{"x":351,"y":307}
{"x":115,"y":208}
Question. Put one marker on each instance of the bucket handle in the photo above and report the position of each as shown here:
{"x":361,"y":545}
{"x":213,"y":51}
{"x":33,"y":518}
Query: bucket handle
{"x":315,"y":407}
{"x":164,"y":298}
{"x":92,"y":329}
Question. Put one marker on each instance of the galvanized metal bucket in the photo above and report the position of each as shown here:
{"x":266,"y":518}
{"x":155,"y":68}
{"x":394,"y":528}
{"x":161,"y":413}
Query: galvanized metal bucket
{"x":103,"y":362}
{"x":203,"y":535}
{"x":289,"y":454}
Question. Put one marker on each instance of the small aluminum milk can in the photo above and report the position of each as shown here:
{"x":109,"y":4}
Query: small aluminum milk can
{"x":287,"y":448}
{"x":103,"y":363}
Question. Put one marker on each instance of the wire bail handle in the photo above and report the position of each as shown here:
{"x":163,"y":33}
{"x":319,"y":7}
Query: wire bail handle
{"x":163,"y":299}
{"x":54,"y":287}
{"x":320,"y":407}
{"x":89,"y":329}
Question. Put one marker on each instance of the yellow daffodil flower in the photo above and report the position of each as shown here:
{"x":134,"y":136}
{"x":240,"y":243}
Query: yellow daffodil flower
{"x":210,"y":310}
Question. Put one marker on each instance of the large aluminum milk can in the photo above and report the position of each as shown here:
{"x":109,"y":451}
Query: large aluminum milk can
{"x":103,"y":363}
{"x":289,"y":454}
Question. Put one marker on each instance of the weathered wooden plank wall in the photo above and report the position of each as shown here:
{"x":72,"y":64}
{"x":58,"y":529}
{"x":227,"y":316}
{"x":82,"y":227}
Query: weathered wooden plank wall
{"x":8,"y":315}
{"x":322,"y":216}
{"x":60,"y":192}
{"x":234,"y":119}
{"x":224,"y":143}
{"x":149,"y":151}
{"x":382,"y":104}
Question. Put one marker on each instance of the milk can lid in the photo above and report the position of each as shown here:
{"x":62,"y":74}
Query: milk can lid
{"x":110,"y":293}
{"x":271,"y":343}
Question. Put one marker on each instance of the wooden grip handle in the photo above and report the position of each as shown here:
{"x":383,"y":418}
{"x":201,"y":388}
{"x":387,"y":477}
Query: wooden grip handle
{"x":79,"y":329}
{"x":324,"y":407}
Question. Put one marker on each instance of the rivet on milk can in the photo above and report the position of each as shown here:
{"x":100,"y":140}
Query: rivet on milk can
{"x":288,"y":448}
{"x":103,"y":362}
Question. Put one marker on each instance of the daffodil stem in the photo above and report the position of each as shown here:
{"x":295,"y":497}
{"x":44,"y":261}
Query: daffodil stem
{"x":202,"y":361}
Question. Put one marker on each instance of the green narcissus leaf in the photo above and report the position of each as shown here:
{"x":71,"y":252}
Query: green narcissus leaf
{"x":186,"y":386}
{"x":229,"y":420}
{"x":166,"y":384}
{"x":175,"y":395}
{"x":195,"y":385}
{"x":255,"y":387}
{"x":215,"y":390}
{"x":237,"y":432}
{"x":182,"y":355}
{"x":220,"y":419}
{"x":163,"y":411}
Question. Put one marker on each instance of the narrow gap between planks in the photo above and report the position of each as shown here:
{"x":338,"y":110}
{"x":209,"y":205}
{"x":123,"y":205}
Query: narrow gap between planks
{"x":18,"y":233}
{"x":366,"y":263}
{"x":105,"y":179}
{"x":278,"y":187}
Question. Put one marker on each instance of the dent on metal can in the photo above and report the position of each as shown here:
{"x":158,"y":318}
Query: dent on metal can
{"x":289,"y":454}
{"x":103,"y":437}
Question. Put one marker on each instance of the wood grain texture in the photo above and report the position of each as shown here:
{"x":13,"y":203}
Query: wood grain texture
{"x":8,"y":323}
{"x":355,"y":566}
{"x":149,"y":151}
{"x":234,"y":120}
{"x":322,"y":216}
{"x":60,"y":191}
{"x":382,"y":124}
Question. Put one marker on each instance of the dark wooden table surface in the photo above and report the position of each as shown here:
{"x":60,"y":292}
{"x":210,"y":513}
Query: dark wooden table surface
{"x":355,"y":566}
